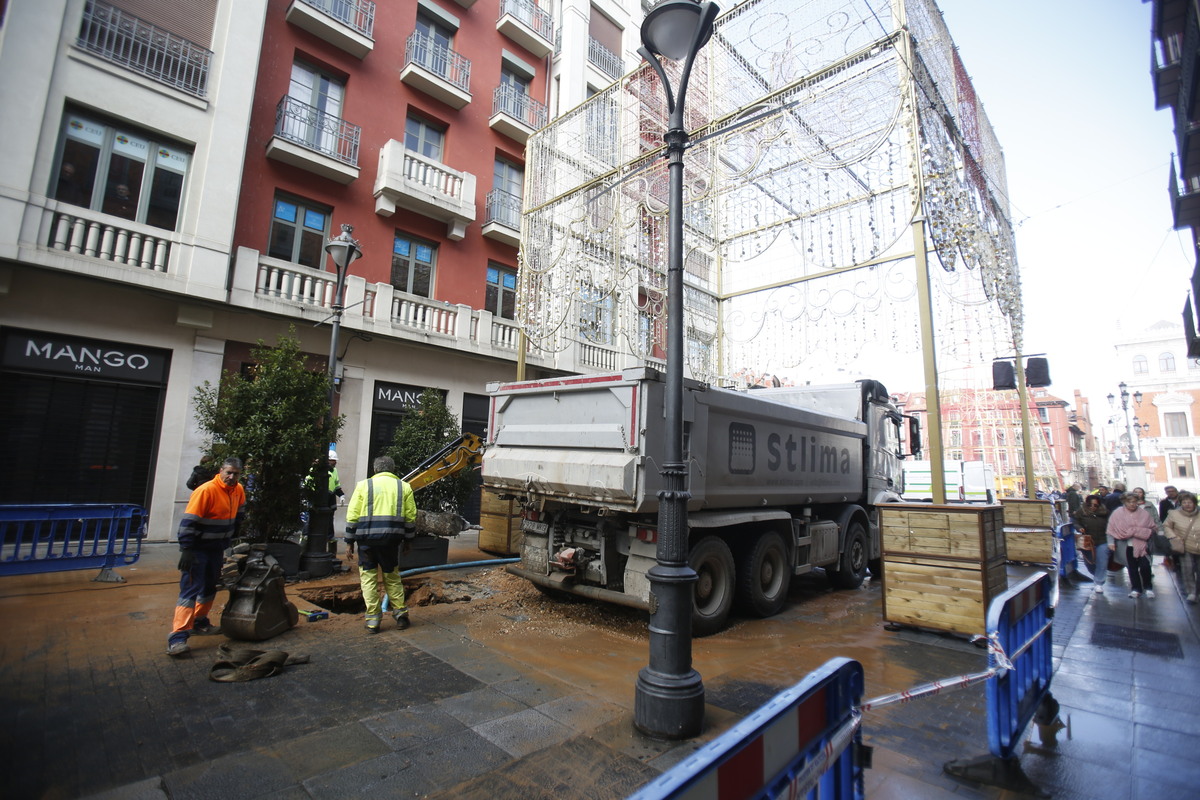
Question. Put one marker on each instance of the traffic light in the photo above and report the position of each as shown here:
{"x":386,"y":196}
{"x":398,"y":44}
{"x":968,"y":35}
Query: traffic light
{"x":1003,"y":375}
{"x":1037,"y":372}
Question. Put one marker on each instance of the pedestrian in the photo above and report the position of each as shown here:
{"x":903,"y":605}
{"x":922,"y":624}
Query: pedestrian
{"x":1184,"y":533}
{"x":1092,"y":522}
{"x":381,"y":515}
{"x":1112,"y":500}
{"x":201,"y":473}
{"x":337,"y":497}
{"x":1131,"y":526}
{"x":213,"y":515}
{"x":1074,"y":499}
{"x":1165,"y":506}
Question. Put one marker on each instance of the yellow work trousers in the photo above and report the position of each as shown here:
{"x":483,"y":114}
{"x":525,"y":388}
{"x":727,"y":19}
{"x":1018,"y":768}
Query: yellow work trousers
{"x":368,"y":579}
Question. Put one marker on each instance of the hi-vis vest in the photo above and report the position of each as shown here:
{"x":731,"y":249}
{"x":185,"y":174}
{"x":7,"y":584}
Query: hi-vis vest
{"x":382,"y":506}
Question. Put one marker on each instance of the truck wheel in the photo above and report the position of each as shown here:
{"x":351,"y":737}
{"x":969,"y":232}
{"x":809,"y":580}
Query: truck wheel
{"x":763,"y":575}
{"x":713,"y":594}
{"x":852,"y":569}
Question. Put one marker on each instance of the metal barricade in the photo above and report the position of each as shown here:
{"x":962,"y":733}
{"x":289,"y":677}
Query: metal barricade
{"x":61,"y":537}
{"x":807,"y":739}
{"x":1020,"y":620}
{"x":1068,"y":554}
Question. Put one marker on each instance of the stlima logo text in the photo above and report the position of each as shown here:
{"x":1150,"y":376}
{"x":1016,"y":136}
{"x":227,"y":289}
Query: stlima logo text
{"x":86,"y":359}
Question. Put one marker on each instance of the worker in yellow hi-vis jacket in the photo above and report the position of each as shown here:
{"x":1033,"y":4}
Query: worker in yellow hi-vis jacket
{"x":382,"y":514}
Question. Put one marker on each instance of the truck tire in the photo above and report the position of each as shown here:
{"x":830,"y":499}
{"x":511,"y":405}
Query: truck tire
{"x":852,"y":568}
{"x":763,"y":575}
{"x":712,"y":597}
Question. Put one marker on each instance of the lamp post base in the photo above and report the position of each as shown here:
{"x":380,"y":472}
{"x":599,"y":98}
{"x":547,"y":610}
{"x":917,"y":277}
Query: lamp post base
{"x":669,"y":706}
{"x":316,"y":560}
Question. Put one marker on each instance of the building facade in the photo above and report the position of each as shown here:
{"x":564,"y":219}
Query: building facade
{"x":170,"y":178}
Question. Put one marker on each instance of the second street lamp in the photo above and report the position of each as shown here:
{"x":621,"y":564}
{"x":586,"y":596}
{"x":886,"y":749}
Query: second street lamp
{"x":669,"y":698}
{"x":1124,"y":398}
{"x":317,"y":559}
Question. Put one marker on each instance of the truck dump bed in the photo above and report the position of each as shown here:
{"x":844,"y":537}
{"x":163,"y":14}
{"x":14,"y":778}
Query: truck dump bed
{"x":599,"y":440}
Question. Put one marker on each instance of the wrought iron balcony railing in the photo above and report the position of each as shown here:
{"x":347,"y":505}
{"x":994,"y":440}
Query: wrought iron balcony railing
{"x":520,"y":106}
{"x":310,"y":127}
{"x":503,"y":207}
{"x":539,"y":20}
{"x":441,"y":61}
{"x":135,"y":44}
{"x":357,"y":14}
{"x":606,"y":60}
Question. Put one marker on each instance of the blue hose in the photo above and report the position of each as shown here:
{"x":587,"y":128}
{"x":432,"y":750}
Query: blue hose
{"x":440,"y":567}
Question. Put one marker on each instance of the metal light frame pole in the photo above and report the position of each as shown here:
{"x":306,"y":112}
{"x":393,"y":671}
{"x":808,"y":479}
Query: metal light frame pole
{"x":317,"y":560}
{"x":669,"y":698}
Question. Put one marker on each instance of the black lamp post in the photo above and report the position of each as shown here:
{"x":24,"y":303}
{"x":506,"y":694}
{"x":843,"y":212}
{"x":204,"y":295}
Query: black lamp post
{"x":669,"y":701}
{"x":317,"y":561}
{"x":1124,"y":398}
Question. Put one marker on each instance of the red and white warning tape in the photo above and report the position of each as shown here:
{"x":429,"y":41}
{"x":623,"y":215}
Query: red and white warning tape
{"x":1003,"y":664}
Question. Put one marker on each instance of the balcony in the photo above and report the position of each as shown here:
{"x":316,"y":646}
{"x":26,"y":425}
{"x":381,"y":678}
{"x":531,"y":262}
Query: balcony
{"x":136,"y":45}
{"x":516,"y":114}
{"x":345,"y":24}
{"x":502,"y":217}
{"x":1185,"y":200}
{"x":117,"y":241}
{"x":408,"y":180}
{"x":605,"y":60}
{"x":527,"y":24}
{"x":310,"y":139}
{"x":437,"y":71}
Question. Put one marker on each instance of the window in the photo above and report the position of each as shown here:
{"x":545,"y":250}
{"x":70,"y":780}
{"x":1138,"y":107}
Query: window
{"x":1175,"y":423}
{"x":121,"y":171}
{"x":1001,"y":438}
{"x":502,"y":291}
{"x":518,"y":84}
{"x":1043,"y":414}
{"x":423,"y":138}
{"x":413,"y":261}
{"x":595,"y":314}
{"x":298,"y":231}
{"x":438,"y":39}
{"x":1181,"y":467}
{"x":1140,"y":365}
{"x":1166,"y":362}
{"x":508,"y":178}
{"x":319,"y":110}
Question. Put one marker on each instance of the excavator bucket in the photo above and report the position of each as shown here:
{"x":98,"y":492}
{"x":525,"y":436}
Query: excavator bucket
{"x":258,"y":609}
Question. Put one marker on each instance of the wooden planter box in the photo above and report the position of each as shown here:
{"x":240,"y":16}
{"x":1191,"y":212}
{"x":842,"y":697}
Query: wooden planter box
{"x":942,"y":565}
{"x":1028,"y":513}
{"x":941,"y":594}
{"x":1032,"y":545}
{"x":500,"y":521}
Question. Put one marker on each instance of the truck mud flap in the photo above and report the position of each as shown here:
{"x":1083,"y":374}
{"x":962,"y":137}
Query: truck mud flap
{"x":593,"y":592}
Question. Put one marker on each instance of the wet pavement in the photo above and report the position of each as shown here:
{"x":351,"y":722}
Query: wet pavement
{"x":507,"y":694}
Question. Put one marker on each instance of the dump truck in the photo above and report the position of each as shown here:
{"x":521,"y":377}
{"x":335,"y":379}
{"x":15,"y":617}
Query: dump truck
{"x":782,"y":481}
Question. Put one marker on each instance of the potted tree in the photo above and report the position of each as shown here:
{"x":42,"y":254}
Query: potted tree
{"x":425,"y":430}
{"x":275,"y":417}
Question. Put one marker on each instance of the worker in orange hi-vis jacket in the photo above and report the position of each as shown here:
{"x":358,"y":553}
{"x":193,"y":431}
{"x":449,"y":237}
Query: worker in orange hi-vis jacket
{"x":212,"y":517}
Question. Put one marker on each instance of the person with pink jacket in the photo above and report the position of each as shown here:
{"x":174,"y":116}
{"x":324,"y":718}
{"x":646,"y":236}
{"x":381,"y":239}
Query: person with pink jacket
{"x":1132,"y":526}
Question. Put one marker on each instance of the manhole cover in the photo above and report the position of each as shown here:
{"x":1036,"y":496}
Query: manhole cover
{"x":1119,"y":637}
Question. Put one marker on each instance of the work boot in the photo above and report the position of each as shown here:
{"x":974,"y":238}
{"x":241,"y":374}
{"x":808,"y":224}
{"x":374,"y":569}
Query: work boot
{"x":402,"y":622}
{"x":206,"y":628}
{"x":177,"y":649}
{"x":373,"y":626}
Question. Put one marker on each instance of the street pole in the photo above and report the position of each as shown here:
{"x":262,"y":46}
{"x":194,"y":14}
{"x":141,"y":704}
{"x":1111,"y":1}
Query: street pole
{"x":669,"y":697}
{"x":317,"y":561}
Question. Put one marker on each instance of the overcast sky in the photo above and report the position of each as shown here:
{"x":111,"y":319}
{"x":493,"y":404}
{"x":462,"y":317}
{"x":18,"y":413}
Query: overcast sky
{"x":1066,"y":85}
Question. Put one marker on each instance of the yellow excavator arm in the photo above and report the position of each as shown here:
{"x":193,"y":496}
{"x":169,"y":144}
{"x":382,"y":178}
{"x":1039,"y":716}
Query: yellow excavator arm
{"x":464,"y":452}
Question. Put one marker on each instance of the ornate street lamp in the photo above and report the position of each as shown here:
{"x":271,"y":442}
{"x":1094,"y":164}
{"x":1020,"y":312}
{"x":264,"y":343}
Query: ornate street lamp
{"x":669,"y":700}
{"x":317,"y":561}
{"x":1124,"y":397}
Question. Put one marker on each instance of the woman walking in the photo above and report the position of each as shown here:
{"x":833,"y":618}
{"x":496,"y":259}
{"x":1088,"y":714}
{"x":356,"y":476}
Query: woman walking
{"x":1132,"y":528}
{"x":1183,"y":529}
{"x":1092,"y":521}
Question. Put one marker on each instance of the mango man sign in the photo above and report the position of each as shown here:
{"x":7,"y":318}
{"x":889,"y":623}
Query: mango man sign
{"x":71,"y":355}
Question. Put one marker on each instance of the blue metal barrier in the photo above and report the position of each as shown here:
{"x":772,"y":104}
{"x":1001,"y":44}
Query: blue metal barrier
{"x":1020,"y":622}
{"x":804,"y":742}
{"x":1067,"y":554}
{"x":57,"y":538}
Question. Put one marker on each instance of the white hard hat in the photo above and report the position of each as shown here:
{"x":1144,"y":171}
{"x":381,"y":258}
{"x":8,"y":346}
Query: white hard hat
{"x":333,"y":455}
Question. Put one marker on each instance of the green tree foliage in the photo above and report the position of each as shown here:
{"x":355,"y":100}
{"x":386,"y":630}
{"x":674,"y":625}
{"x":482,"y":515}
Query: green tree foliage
{"x":276,"y":420}
{"x":425,"y":430}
